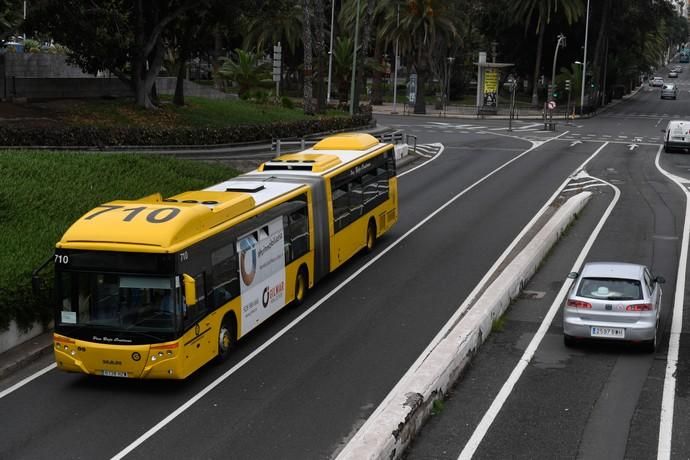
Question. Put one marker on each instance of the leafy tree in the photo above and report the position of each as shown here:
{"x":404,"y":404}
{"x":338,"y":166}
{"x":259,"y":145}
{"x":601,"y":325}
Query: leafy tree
{"x":122,"y":36}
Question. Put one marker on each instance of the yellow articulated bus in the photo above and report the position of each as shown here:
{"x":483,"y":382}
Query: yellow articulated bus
{"x":156,"y":288}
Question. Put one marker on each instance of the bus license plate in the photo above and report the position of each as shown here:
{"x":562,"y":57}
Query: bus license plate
{"x":114,"y":373}
{"x":611,"y":332}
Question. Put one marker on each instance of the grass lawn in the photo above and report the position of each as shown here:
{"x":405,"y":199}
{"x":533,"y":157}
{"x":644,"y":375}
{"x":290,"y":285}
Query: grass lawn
{"x":42,"y":193}
{"x":198,"y":112}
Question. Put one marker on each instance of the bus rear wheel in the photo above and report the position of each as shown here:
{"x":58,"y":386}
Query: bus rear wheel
{"x":371,"y":236}
{"x":301,"y":287}
{"x":226,"y":339}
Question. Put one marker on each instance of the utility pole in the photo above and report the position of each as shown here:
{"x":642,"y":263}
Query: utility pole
{"x":584,"y":63}
{"x":330,"y":56}
{"x":395,"y":72}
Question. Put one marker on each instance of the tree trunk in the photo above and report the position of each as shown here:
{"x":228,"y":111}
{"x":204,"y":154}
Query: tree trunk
{"x":307,"y":40}
{"x":376,"y":89}
{"x":597,"y":63}
{"x":420,"y":101}
{"x":537,"y":66}
{"x":320,"y":55}
{"x":361,"y":83}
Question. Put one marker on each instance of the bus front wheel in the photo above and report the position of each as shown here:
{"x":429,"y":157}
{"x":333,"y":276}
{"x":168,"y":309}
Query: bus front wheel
{"x":226,"y":338}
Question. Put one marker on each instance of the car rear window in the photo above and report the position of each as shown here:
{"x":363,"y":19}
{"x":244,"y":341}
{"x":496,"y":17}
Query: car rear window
{"x":668,"y":86}
{"x":610,"y":289}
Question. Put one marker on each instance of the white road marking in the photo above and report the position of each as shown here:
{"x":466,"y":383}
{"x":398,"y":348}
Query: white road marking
{"x":484,"y":425}
{"x":23,"y":382}
{"x":668,"y":396}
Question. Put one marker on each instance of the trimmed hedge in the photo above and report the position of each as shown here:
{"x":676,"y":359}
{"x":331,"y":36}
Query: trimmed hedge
{"x":87,"y":136}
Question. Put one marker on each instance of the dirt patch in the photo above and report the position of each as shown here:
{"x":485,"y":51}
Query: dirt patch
{"x":33,"y":114}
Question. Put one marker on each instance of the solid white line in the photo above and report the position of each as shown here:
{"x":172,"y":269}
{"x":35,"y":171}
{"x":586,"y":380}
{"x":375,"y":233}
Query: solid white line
{"x":23,"y":382}
{"x":668,"y":396}
{"x":490,"y":415}
{"x":160,"y":425}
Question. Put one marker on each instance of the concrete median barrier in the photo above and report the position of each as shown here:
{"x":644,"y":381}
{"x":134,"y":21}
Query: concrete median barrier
{"x":386,"y":434}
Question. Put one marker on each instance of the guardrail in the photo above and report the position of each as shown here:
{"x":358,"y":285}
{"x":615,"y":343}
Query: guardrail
{"x":280,"y":146}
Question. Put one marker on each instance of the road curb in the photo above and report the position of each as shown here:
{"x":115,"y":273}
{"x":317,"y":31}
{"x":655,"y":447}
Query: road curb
{"x":391,"y":427}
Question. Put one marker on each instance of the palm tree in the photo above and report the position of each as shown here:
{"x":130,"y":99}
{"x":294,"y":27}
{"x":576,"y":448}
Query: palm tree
{"x":542,"y":10}
{"x":424,"y":27}
{"x":244,"y":69}
{"x":280,"y":23}
{"x":307,"y":39}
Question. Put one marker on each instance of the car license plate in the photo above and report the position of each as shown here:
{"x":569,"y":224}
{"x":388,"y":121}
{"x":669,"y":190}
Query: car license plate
{"x":113,"y":373}
{"x":612,"y":332}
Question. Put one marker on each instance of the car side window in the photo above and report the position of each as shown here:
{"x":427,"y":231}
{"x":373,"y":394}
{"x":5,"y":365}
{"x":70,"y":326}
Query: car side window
{"x":648,"y":282}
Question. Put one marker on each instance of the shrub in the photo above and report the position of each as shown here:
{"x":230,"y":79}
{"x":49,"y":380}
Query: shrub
{"x":287,"y":102}
{"x":102,"y":137}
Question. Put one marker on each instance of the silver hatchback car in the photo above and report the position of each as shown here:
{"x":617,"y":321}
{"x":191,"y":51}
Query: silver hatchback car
{"x":613,"y":301}
{"x":670,"y":91}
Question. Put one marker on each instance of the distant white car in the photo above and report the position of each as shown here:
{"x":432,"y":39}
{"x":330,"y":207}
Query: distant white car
{"x":656,"y":81}
{"x":677,"y":136}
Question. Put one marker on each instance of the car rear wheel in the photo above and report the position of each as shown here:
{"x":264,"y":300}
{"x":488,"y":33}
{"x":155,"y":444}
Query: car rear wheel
{"x":568,"y":341}
{"x":667,"y":149}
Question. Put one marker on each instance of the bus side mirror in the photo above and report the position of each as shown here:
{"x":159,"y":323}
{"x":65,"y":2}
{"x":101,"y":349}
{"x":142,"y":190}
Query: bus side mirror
{"x":189,"y":289}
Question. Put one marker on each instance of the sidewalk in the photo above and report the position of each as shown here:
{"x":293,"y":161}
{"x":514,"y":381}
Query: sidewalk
{"x":25,"y":353}
{"x":470,"y":112}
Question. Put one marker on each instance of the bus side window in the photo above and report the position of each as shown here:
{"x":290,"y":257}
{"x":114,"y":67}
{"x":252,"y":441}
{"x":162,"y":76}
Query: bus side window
{"x":225,"y":283}
{"x":296,"y":227}
{"x":341,"y":206}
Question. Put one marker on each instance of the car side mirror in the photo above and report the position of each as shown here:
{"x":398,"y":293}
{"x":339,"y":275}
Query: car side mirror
{"x":663,"y":130}
{"x":573,"y":275}
{"x":189,"y":289}
{"x":660,"y":280}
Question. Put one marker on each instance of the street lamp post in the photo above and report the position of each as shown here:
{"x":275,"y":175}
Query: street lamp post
{"x":559,"y":43}
{"x":354,"y":63}
{"x":584,"y":64}
{"x":330,"y":56}
{"x":451,"y":60}
{"x":395,"y":72}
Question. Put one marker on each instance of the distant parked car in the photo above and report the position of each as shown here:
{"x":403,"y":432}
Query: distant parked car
{"x":613,"y":301}
{"x":670,"y":91}
{"x":672,"y":74}
{"x":656,"y":81}
{"x":677,"y":135}
{"x":678,"y":69}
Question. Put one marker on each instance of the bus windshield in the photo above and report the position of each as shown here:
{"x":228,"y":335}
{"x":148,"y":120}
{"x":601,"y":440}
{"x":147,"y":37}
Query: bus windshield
{"x":118,"y":302}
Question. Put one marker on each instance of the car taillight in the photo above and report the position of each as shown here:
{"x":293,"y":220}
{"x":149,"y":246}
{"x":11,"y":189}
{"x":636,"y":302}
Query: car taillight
{"x":578,"y":304}
{"x":640,"y":307}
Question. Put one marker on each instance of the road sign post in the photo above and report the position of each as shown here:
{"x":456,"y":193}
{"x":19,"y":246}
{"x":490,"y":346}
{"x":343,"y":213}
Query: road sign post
{"x":277,"y":59}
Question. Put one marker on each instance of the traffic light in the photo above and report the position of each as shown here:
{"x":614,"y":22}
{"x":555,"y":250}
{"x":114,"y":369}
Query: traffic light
{"x":567,"y":85}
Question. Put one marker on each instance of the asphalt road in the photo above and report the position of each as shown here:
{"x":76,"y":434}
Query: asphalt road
{"x":596,"y":401}
{"x":301,"y":385}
